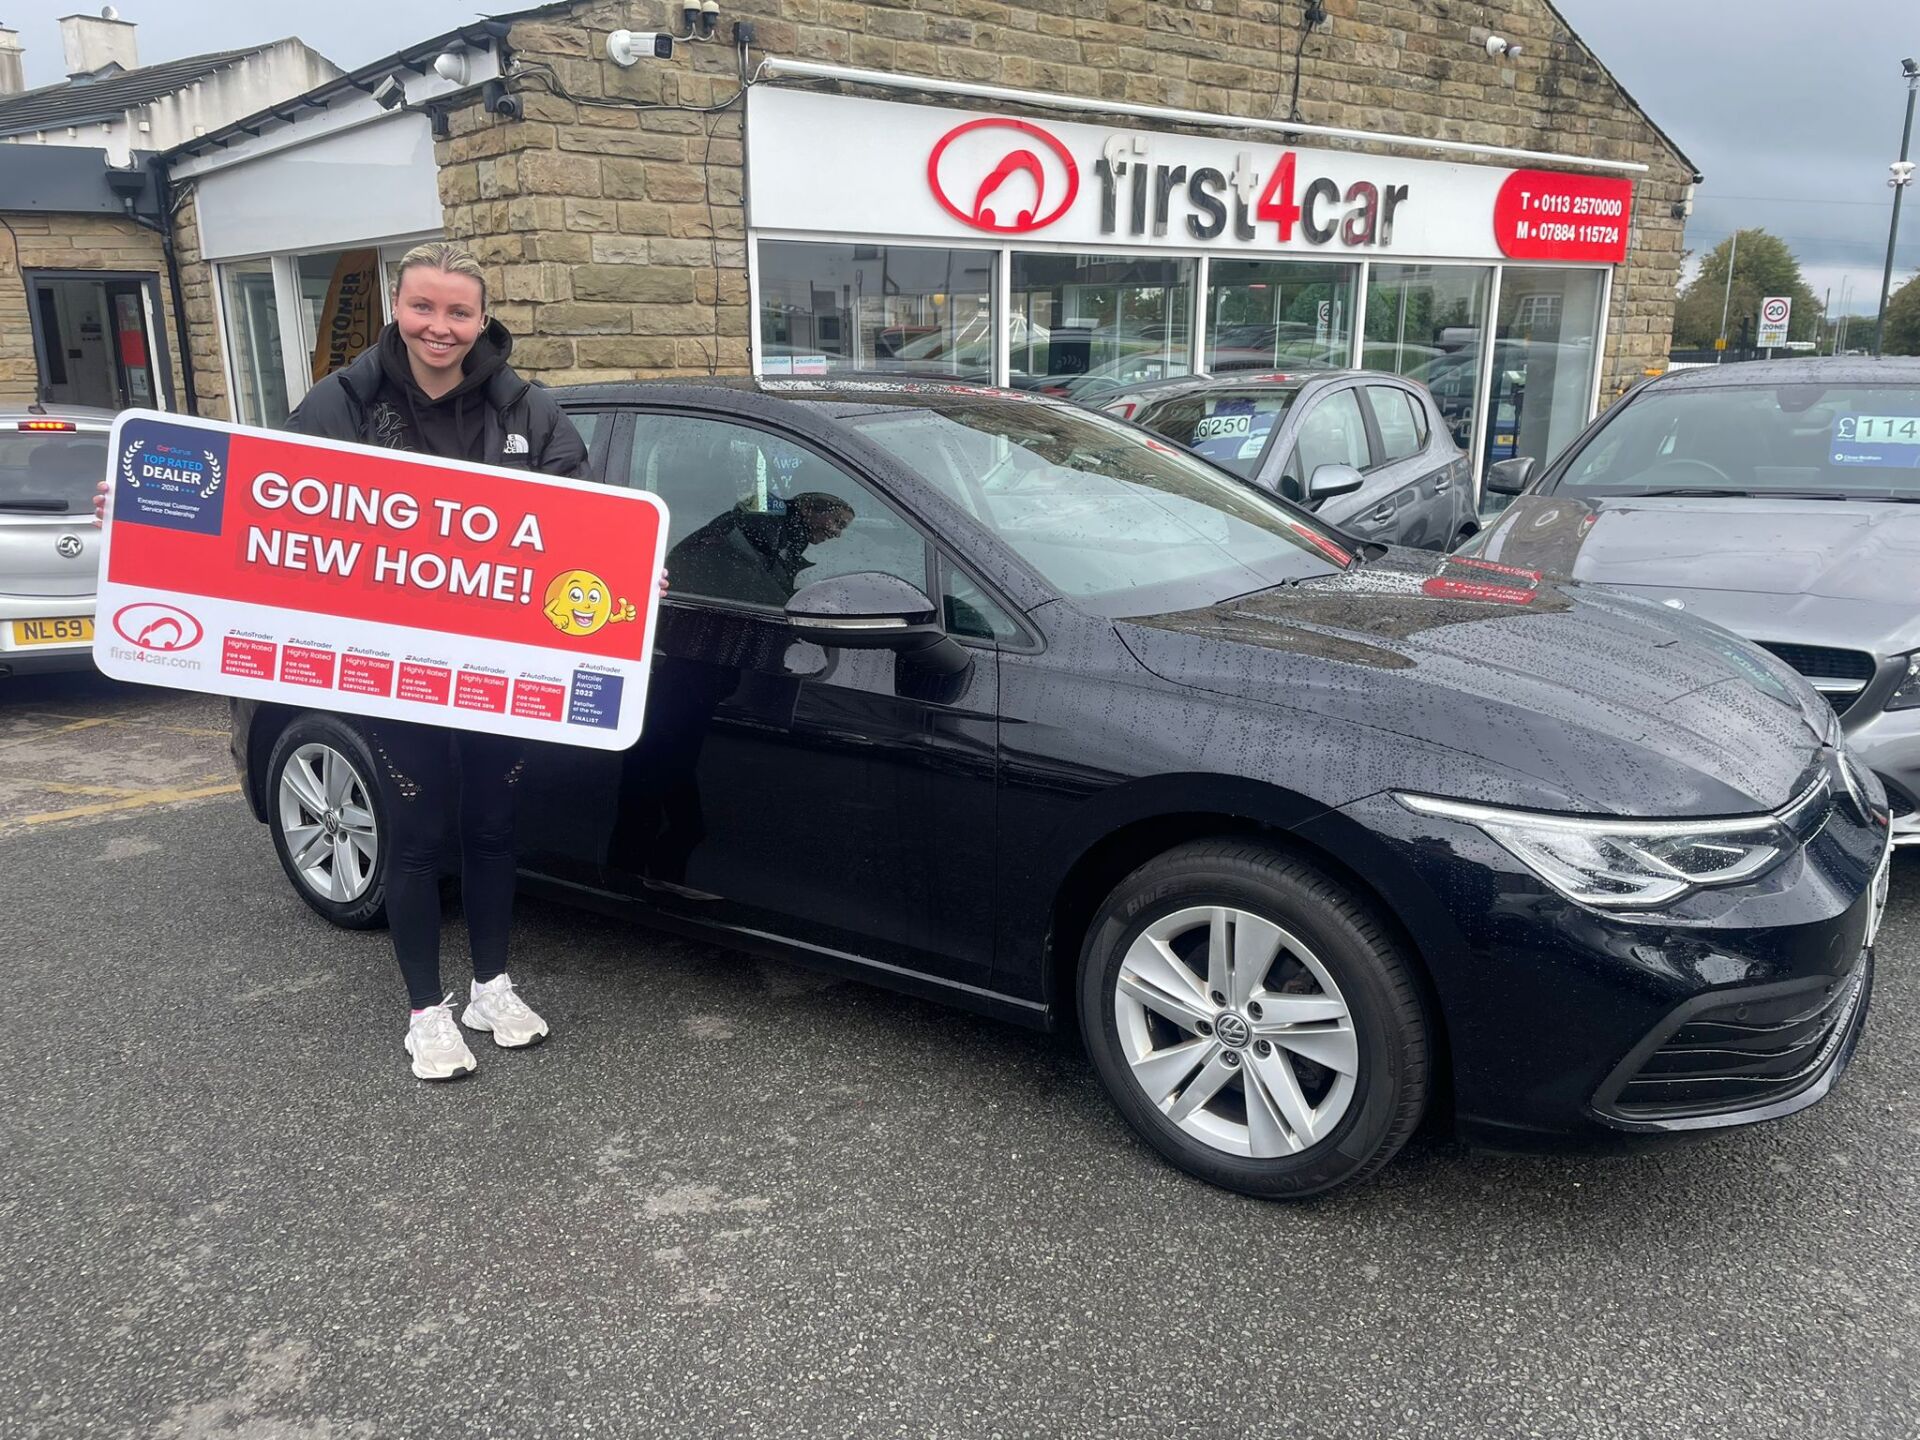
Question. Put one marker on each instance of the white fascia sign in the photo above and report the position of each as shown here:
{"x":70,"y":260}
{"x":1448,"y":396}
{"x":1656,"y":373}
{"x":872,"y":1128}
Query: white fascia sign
{"x":878,"y":168}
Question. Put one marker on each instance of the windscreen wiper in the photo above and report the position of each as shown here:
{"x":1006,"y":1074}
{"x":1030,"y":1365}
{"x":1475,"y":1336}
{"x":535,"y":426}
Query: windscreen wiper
{"x":1691,"y":490}
{"x":37,"y":507}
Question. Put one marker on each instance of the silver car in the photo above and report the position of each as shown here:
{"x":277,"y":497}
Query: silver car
{"x":1367,"y":451}
{"x":1779,"y":498}
{"x":51,"y":458}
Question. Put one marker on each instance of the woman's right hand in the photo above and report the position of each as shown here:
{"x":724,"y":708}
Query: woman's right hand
{"x":100,"y":504}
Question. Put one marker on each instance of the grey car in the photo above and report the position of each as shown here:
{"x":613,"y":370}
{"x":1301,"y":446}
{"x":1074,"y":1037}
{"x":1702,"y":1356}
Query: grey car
{"x":1367,"y":451}
{"x":1780,"y":499}
{"x":51,"y":458}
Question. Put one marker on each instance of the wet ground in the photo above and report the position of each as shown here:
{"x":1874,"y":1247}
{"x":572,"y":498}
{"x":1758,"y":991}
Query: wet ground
{"x":737,"y":1198}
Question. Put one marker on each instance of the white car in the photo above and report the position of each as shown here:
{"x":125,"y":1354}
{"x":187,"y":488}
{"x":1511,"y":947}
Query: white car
{"x":51,"y":458}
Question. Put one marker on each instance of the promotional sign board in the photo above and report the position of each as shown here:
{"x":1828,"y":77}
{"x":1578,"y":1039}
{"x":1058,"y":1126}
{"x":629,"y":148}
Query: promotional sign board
{"x":1775,"y":311}
{"x":340,"y":577}
{"x":917,"y":171}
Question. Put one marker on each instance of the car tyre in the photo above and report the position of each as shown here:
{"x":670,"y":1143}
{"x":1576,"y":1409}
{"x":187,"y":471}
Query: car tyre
{"x":328,"y":819}
{"x":1332,"y":991}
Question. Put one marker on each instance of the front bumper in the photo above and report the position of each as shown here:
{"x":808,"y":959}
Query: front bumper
{"x":1553,"y":1009}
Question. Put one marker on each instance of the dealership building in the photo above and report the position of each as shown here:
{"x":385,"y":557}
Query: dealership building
{"x":1060,"y":195}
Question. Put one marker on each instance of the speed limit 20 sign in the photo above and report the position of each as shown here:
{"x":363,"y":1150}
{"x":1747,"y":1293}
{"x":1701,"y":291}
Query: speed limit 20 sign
{"x":1775,"y":310}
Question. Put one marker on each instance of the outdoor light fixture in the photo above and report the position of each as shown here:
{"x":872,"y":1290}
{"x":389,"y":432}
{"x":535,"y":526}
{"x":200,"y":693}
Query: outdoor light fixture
{"x":1901,"y":177}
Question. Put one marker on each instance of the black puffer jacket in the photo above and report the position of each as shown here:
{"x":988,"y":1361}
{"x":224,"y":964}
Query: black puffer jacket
{"x":521,"y":425}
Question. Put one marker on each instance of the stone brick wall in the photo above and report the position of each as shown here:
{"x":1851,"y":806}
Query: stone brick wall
{"x":51,"y":241}
{"x":615,"y":236}
{"x":204,"y":340}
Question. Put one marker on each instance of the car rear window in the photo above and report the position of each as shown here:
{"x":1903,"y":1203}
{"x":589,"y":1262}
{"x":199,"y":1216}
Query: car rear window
{"x":52,"y":474}
{"x":1844,"y":440}
{"x":1230,"y":427}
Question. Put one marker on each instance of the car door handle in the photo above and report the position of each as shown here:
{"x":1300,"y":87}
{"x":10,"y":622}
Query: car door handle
{"x":1443,"y":484}
{"x":1382,"y":513}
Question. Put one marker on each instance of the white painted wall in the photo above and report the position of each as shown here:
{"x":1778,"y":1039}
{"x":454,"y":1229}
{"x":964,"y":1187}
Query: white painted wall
{"x":244,"y":88}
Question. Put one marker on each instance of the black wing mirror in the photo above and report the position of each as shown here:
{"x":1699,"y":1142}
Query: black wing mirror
{"x":869,"y":610}
{"x":1331,"y":480}
{"x":1509,"y":477}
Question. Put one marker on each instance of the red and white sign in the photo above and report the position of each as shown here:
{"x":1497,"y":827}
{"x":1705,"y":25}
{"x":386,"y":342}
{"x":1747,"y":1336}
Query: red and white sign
{"x":883,"y":170}
{"x":247,"y":562}
{"x":1553,"y":215}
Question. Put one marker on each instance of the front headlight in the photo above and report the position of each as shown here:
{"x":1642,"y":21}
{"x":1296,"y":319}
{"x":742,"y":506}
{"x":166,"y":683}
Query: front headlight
{"x":1623,"y":864}
{"x":1907,"y":697}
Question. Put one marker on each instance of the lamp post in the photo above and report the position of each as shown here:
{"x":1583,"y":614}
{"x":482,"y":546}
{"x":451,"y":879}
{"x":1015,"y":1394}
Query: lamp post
{"x":1902,"y":177}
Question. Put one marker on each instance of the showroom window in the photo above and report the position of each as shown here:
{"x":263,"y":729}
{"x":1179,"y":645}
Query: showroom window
{"x":1081,"y":325}
{"x":1428,"y":322}
{"x":1544,"y":344}
{"x":292,"y":319}
{"x":1264,"y":314}
{"x":253,"y":344}
{"x":875,"y":307}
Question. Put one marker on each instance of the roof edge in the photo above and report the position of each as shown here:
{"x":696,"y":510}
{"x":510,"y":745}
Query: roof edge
{"x":1627,"y":95}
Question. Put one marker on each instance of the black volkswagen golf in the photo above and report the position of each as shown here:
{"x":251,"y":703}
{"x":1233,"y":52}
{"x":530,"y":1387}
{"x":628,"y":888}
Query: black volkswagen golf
{"x":990,"y":699}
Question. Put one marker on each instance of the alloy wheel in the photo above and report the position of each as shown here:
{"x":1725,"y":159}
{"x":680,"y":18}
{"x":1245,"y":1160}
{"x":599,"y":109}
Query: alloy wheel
{"x":326,"y":818}
{"x":1236,"y":1031}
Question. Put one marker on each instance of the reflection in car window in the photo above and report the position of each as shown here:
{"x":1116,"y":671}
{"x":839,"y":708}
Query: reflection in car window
{"x":1229,"y":427}
{"x":1332,"y":434}
{"x":1393,"y":412}
{"x":1859,"y":440}
{"x":754,"y":517}
{"x":1120,"y":522}
{"x":52,"y":474}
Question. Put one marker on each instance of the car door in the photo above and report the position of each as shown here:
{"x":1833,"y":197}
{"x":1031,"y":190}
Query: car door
{"x":1416,"y":493}
{"x":1330,"y":429}
{"x":840,"y":799}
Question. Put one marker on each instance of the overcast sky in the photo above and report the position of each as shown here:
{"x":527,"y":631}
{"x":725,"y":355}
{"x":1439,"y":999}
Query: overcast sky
{"x":1791,"y":109}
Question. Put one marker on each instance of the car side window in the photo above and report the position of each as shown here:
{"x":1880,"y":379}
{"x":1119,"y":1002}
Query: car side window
{"x":969,"y":611}
{"x":1331,"y":434}
{"x":1393,"y":412}
{"x":754,"y":517}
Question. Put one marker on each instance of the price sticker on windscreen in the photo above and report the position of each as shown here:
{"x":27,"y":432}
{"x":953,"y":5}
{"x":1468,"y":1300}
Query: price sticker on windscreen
{"x":340,"y":577}
{"x":1886,"y":440}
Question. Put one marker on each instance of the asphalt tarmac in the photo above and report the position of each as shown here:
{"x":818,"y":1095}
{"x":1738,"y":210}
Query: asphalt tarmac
{"x":735,"y":1198}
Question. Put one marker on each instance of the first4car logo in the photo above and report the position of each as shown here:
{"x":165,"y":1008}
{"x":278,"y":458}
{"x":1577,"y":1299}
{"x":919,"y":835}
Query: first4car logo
{"x":153,"y":626}
{"x":1003,"y":176}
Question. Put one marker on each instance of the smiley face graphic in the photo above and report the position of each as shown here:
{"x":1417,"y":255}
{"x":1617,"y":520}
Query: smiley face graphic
{"x":578,"y":602}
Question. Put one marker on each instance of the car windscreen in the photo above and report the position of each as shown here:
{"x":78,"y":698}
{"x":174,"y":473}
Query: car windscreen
{"x":1229,"y":427}
{"x":1111,"y":518}
{"x":50,"y":474}
{"x":1847,"y":441}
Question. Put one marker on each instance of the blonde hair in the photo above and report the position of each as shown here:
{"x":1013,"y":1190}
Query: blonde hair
{"x":445,"y":256}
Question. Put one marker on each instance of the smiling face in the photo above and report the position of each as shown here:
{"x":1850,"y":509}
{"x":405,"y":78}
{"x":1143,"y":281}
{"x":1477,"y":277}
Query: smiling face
{"x":577,"y":602}
{"x":440,"y":315}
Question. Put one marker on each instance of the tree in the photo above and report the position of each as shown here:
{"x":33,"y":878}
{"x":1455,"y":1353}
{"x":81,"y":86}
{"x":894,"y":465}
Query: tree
{"x":1763,"y":267}
{"x":1903,"y":320}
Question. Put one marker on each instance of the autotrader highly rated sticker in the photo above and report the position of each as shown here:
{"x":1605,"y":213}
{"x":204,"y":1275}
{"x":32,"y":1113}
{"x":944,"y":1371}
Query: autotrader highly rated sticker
{"x":246,"y":562}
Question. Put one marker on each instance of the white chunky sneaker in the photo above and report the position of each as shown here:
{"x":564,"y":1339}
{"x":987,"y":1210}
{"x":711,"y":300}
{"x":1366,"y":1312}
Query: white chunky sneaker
{"x":494,"y":1007}
{"x":434,"y":1042}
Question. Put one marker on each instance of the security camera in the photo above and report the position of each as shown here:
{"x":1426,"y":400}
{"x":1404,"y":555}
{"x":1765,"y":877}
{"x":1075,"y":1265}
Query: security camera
{"x":451,"y":66}
{"x":1498,"y":45}
{"x":1909,"y":68}
{"x":628,"y":47}
{"x":499,"y":100}
{"x":390,"y":94}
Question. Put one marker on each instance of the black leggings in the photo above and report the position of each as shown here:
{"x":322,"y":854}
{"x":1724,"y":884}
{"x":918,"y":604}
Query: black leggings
{"x":418,"y":782}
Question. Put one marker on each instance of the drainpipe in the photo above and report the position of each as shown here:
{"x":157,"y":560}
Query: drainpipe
{"x":163,"y":227}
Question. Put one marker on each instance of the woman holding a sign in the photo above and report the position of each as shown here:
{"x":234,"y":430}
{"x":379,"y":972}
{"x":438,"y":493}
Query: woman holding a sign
{"x":437,"y":383}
